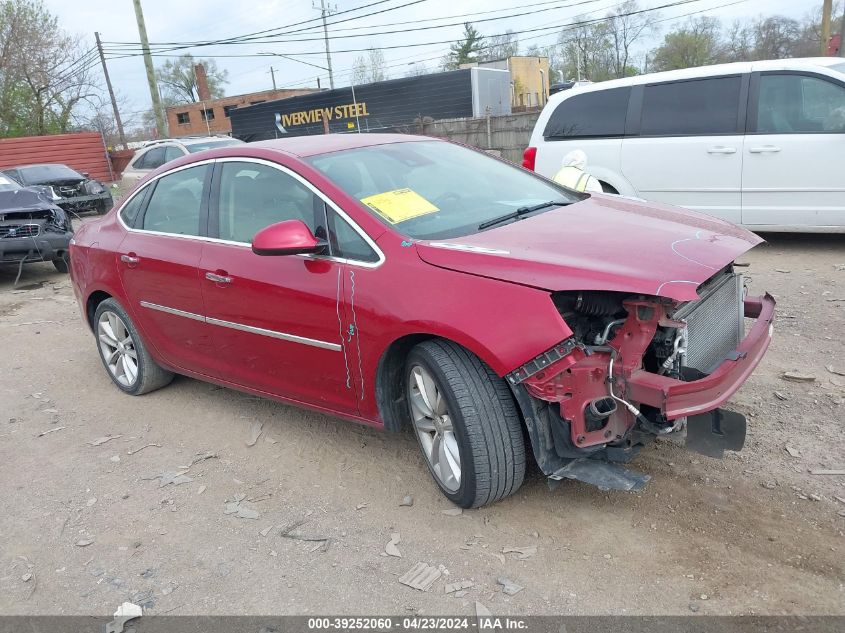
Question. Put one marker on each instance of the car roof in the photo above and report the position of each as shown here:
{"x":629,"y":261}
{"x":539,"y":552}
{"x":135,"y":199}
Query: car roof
{"x":41,"y":165}
{"x":304,"y":146}
{"x":735,"y":68}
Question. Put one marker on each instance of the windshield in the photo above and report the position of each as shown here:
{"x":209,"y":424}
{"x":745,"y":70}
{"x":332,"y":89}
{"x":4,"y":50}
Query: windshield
{"x":45,"y":173}
{"x":436,"y":190}
{"x":7,"y":184}
{"x":198,"y":147}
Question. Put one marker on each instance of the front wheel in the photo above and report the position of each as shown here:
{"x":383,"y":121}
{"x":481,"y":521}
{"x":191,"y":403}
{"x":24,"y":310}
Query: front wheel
{"x":466,"y":423}
{"x":124,"y":355}
{"x":61,"y":264}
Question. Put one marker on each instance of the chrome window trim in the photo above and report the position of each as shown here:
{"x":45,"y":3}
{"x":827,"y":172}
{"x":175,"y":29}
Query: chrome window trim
{"x":284,"y":336}
{"x":208,"y":161}
{"x":261,"y":161}
{"x":326,"y":200}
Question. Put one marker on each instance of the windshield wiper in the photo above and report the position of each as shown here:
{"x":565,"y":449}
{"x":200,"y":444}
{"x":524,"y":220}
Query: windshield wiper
{"x":521,"y":211}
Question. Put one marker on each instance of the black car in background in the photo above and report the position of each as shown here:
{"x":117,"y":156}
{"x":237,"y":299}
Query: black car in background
{"x":32,"y":227}
{"x":72,"y":191}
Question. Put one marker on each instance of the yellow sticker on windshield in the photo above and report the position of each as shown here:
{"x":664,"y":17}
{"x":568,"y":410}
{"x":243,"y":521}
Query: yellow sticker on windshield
{"x":399,"y":205}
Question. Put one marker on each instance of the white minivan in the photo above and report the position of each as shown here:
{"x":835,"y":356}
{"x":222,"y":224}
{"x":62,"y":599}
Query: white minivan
{"x":760,"y":144}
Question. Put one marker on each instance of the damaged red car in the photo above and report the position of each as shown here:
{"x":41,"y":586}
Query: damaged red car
{"x":407,"y":282}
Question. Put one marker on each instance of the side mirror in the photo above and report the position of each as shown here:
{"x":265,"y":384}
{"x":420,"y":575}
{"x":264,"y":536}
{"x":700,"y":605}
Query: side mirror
{"x":291,"y":237}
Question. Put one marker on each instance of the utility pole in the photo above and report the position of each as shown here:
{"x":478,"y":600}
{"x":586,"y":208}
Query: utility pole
{"x":324,"y":12}
{"x":161,"y":128}
{"x":273,"y":77}
{"x":111,"y":92}
{"x":827,"y":7}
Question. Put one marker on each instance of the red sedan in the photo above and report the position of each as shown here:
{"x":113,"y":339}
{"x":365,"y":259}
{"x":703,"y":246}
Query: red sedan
{"x":403,"y":281}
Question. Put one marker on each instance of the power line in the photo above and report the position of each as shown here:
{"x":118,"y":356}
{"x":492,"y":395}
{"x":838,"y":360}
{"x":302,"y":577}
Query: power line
{"x":419,"y":28}
{"x":262,"y":34}
{"x":569,"y":26}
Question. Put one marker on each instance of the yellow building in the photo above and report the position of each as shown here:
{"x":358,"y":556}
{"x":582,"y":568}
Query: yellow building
{"x":529,"y":79}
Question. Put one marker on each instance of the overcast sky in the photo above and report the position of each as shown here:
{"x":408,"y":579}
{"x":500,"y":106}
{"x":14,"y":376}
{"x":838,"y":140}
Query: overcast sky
{"x":193,"y":20}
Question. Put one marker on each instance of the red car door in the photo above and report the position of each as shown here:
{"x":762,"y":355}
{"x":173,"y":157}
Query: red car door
{"x":279,"y":323}
{"x":158,"y":262}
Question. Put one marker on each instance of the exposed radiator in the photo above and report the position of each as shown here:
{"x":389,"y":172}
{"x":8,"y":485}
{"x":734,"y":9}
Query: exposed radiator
{"x":715,"y":323}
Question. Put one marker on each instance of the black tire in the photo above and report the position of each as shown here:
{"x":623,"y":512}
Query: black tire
{"x":485,"y":420}
{"x":150,"y":376}
{"x":61,"y":264}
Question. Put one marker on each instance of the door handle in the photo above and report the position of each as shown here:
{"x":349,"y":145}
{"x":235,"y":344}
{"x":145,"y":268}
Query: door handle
{"x":721,"y":149}
{"x":218,"y":279}
{"x":764,"y":149}
{"x":131,"y":258}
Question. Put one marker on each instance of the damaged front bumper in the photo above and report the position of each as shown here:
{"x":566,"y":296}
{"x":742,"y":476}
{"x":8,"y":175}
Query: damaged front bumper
{"x":42,"y":248}
{"x":583,"y":414}
{"x":677,"y":399}
{"x":100,"y":202}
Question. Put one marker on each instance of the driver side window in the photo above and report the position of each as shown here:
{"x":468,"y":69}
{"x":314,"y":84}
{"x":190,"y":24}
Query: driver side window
{"x":254,"y":196}
{"x":800,"y":104}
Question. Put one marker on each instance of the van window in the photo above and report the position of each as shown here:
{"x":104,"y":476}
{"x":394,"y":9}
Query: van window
{"x":692,"y":108}
{"x":600,"y":113}
{"x":796,"y":104}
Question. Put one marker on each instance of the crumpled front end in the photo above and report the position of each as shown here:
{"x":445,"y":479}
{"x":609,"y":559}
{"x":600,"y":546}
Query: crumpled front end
{"x":34,"y":235}
{"x":638,"y":367}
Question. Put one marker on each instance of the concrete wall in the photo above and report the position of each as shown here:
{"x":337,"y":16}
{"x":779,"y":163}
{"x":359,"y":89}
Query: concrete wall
{"x":508,"y":134}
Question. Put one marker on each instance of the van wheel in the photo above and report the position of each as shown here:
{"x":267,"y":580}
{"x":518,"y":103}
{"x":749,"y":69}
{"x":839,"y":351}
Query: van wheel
{"x":606,"y":188}
{"x":124,"y":354}
{"x":466,"y":424}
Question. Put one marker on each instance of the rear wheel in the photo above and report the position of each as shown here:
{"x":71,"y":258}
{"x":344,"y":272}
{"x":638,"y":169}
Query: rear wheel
{"x":466,"y":424}
{"x":124,"y":354}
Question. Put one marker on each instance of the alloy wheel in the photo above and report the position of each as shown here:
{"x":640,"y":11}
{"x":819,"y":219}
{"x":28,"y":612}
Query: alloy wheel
{"x":118,"y":348}
{"x":434,"y":428}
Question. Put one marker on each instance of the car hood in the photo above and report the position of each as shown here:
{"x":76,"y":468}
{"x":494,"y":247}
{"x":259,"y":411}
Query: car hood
{"x":601,"y":243}
{"x":23,"y":201}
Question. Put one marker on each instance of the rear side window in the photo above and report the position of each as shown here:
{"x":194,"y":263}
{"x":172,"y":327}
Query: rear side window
{"x":692,"y":108}
{"x":130,"y":210}
{"x":152,"y":159}
{"x":175,"y":204}
{"x":593,"y":114}
{"x":172,"y":153}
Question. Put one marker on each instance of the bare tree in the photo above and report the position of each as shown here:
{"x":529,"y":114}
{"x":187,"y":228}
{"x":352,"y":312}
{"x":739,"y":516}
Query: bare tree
{"x":178,"y":79}
{"x":500,"y":46}
{"x":369,"y":68}
{"x":625,"y":28}
{"x":587,"y":51}
{"x":776,"y":37}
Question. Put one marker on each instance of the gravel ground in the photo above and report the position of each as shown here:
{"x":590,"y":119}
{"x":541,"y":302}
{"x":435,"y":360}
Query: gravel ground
{"x":84,"y":528}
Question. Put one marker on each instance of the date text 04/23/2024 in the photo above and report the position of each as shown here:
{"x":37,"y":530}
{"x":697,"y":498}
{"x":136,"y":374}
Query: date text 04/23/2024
{"x":484,"y":623}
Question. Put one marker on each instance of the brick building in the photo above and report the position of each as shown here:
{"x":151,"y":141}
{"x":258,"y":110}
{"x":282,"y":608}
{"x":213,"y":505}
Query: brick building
{"x":212,"y":115}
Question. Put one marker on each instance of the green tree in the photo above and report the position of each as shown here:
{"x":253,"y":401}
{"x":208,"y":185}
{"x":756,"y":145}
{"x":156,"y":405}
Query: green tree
{"x":177,"y":79}
{"x":696,"y":43}
{"x":465,"y":51}
{"x":45,"y":76}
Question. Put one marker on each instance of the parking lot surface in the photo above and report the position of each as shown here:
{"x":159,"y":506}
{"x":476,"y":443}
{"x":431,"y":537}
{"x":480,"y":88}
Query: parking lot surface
{"x":95,"y":513}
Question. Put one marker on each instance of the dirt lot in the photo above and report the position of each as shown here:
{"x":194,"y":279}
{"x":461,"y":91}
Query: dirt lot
{"x":84,"y":529}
